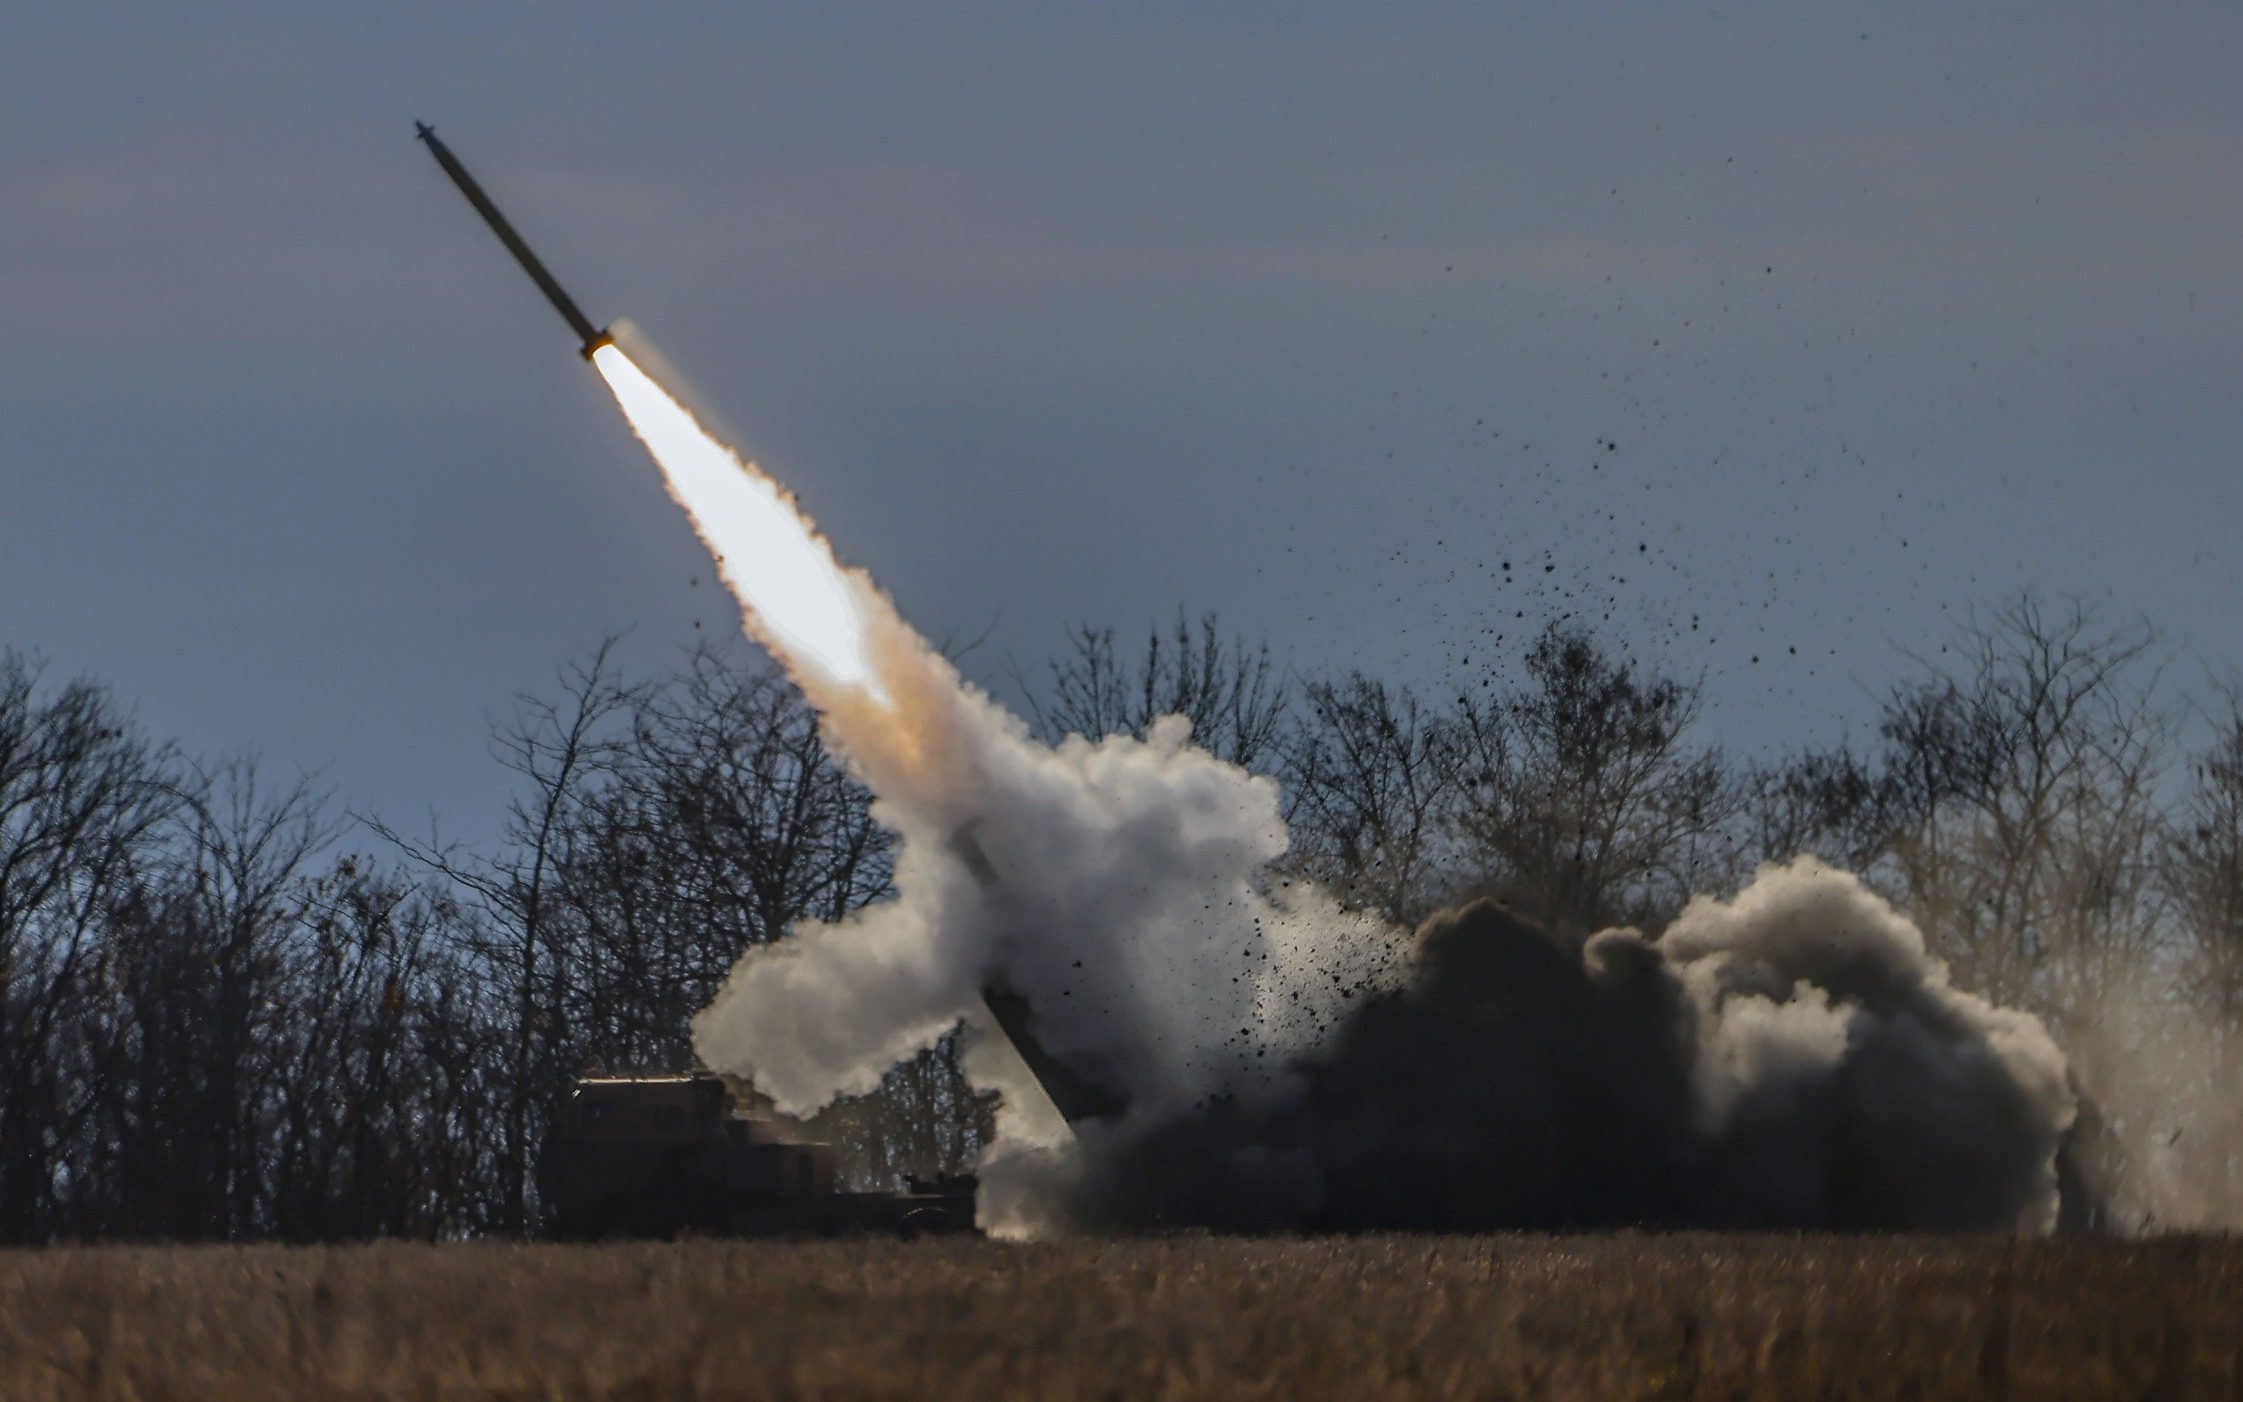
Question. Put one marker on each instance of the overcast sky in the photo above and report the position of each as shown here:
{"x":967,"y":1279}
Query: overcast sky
{"x":1815,"y":325}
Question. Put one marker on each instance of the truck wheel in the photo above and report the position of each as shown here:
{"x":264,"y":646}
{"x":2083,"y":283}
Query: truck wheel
{"x":925,"y":1221}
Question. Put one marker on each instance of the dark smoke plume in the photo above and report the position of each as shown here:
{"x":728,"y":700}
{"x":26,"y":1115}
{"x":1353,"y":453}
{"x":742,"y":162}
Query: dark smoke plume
{"x":1791,"y":1059}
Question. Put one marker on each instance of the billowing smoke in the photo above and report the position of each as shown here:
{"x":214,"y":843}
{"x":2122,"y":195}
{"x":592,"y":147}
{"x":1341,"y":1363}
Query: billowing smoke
{"x":1240,"y":1052}
{"x":1788,"y":1059}
{"x":1120,"y":889}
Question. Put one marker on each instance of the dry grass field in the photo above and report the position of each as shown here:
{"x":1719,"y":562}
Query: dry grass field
{"x":1605,"y":1316}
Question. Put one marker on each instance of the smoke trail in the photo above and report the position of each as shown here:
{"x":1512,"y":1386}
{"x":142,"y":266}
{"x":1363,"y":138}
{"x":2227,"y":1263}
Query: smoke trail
{"x":1792,"y":1058}
{"x":1131,"y":888}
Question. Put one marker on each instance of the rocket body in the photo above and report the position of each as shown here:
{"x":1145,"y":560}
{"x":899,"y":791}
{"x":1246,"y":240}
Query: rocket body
{"x":591,"y":337}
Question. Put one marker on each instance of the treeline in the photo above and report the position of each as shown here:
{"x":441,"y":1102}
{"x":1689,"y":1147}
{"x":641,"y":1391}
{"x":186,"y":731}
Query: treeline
{"x":221,"y":1018}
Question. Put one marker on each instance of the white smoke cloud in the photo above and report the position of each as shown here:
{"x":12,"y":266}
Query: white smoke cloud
{"x":1132,"y":907}
{"x":1830,"y":1043}
{"x":1126,"y":897}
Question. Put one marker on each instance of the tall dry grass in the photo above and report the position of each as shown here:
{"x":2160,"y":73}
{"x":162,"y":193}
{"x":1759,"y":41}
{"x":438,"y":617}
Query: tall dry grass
{"x":1606,"y":1316}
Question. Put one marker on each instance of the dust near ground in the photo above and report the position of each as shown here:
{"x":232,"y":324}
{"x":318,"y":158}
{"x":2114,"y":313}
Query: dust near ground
{"x":1615,"y":1315}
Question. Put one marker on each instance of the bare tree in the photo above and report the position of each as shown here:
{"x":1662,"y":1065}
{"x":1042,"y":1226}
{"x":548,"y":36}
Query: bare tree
{"x":1230,"y":690}
{"x":2206,"y":868}
{"x":194,"y":975}
{"x":2021,"y":789}
{"x":1369,"y":777}
{"x":81,"y":797}
{"x":1581,"y":800}
{"x":381,"y":1118}
{"x":2014,"y":806}
{"x":564,"y":752}
{"x":721,"y":823}
{"x":2205,"y":876}
{"x":1829,"y":803}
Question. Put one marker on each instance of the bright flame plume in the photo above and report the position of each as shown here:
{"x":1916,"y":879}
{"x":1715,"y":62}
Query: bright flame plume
{"x":798,"y":598}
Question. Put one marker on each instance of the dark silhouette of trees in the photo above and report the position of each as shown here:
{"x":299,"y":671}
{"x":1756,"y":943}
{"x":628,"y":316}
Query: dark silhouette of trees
{"x":83,"y":800}
{"x":216,"y":1021}
{"x":660,"y":830}
{"x":215,"y":1027}
{"x":2197,"y":1066}
{"x":519,"y":935}
{"x":1371,"y":781}
{"x":1574,"y":792}
{"x":2017,"y":814}
{"x":1583,"y":801}
{"x":2204,"y":869}
{"x":723,"y":823}
{"x":718,"y":822}
{"x":1230,"y":691}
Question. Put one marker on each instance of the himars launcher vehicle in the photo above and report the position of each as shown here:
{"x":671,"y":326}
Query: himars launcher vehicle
{"x":667,"y":1155}
{"x":670,"y":1155}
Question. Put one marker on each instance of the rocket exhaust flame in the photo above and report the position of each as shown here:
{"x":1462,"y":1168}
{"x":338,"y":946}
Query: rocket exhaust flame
{"x":797,"y":596}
